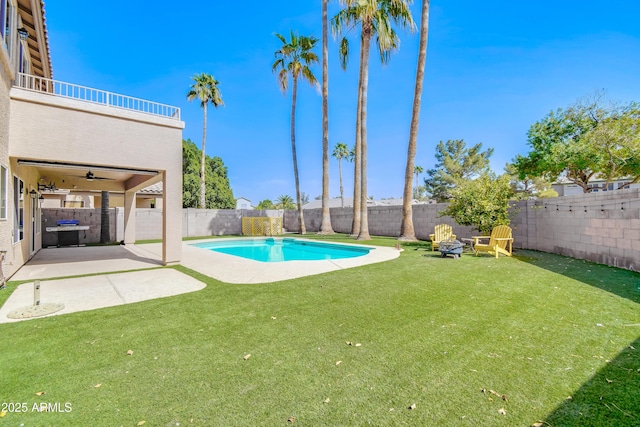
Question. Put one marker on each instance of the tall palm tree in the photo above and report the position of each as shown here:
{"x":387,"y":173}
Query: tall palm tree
{"x":295,"y":58}
{"x":374,"y":17}
{"x":325,"y":226}
{"x":205,"y":89}
{"x":417,"y":170}
{"x":407,"y":232}
{"x":341,"y":151}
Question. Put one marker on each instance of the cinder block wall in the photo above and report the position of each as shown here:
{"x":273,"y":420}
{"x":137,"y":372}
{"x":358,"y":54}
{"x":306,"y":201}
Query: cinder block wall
{"x":85,"y":216}
{"x":197,"y":222}
{"x":383,"y":220}
{"x":601,"y":227}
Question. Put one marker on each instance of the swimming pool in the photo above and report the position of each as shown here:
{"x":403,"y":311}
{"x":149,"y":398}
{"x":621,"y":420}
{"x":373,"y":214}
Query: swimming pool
{"x":287,"y":249}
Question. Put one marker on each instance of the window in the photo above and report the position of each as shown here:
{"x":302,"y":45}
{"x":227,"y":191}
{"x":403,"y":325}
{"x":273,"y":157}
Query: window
{"x":38,"y":215}
{"x":24,"y":64}
{"x":18,"y":203}
{"x":9,"y":26}
{"x":4,"y":195}
{"x":3,"y":17}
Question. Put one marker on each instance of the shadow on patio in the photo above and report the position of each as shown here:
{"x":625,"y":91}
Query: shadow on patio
{"x":75,"y":261}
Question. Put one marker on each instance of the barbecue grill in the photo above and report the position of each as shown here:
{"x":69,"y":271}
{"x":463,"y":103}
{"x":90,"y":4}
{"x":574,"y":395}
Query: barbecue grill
{"x":450,"y":247}
{"x":68,"y":231}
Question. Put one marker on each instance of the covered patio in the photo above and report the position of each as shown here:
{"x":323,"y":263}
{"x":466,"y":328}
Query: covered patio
{"x":101,"y":142}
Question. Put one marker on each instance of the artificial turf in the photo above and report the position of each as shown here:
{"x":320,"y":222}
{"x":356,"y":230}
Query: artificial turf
{"x":419,"y":340}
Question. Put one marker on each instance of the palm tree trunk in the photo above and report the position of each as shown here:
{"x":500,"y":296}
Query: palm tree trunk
{"x":202,"y":160}
{"x":294,"y":155}
{"x":105,"y":232}
{"x":357,"y":158}
{"x":325,"y":227}
{"x":407,"y":231}
{"x":341,"y":187}
{"x":364,"y":71}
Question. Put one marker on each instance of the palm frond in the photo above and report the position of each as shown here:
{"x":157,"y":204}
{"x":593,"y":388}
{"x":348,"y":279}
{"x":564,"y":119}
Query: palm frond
{"x":294,"y":57}
{"x":281,"y":37}
{"x":309,"y":76}
{"x":283,"y":80}
{"x":205,"y":88}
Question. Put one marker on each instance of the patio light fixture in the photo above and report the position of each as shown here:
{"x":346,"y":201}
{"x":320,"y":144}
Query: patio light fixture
{"x":23,"y":33}
{"x":33,"y":194}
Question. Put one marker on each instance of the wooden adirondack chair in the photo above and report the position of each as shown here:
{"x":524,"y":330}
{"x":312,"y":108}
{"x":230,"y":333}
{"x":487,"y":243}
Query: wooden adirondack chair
{"x":442,"y":232}
{"x":500,"y":241}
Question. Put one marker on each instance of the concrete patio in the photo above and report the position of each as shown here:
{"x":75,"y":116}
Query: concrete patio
{"x":98,"y":290}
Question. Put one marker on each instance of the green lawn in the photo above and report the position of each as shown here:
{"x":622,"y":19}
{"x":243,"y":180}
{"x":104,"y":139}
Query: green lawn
{"x":424,"y":331}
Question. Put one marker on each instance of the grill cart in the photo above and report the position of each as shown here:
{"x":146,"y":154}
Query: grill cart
{"x":451,"y":247}
{"x":68,"y":231}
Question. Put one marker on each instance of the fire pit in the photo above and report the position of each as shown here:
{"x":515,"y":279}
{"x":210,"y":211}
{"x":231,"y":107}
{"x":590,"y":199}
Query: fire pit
{"x":68,"y":231}
{"x":450,"y":247}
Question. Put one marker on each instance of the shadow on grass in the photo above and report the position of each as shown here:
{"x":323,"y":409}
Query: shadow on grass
{"x":623,"y":283}
{"x":609,"y":398}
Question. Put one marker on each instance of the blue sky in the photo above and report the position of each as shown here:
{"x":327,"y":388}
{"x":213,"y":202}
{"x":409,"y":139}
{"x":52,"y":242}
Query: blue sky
{"x":493,"y":69}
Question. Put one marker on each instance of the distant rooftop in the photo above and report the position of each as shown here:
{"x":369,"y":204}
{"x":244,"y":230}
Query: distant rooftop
{"x":336,"y":202}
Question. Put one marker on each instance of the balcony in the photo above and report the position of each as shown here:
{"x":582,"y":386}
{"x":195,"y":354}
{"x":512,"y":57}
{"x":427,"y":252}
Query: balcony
{"x":95,"y":96}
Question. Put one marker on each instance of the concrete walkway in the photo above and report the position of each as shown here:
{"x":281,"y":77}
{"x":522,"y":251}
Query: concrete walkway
{"x":105,"y":290}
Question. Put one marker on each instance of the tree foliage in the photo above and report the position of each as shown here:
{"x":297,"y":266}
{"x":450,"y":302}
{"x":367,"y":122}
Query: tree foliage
{"x":375,"y":19}
{"x":285,"y":202}
{"x":456,"y":164}
{"x":295,"y":58}
{"x":591,"y":137}
{"x":205,"y":89}
{"x":265,"y":205}
{"x":528,"y":187}
{"x":218,"y":193}
{"x":482,"y":203}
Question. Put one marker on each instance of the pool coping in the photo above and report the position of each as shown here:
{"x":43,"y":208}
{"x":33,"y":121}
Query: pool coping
{"x":238,"y":270}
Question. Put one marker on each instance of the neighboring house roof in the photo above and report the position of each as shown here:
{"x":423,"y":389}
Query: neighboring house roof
{"x":348,"y":202}
{"x":333,"y":203}
{"x":243,"y":198}
{"x":595,"y":179}
{"x":152,"y":189}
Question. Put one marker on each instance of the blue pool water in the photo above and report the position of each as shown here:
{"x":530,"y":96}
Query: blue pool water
{"x":276,"y":250}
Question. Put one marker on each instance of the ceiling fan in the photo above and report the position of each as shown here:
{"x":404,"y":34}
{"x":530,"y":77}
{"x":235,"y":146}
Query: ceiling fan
{"x":89,"y":176}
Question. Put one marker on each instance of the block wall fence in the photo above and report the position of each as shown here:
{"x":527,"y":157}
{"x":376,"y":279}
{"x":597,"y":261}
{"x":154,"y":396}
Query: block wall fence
{"x":602,"y":227}
{"x":195,"y":222}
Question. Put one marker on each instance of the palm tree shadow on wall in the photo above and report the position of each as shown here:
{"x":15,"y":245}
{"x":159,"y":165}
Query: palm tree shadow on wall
{"x":609,"y":398}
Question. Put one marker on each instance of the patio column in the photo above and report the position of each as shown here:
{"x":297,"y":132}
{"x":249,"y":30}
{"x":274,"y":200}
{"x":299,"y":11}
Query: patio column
{"x":129,"y":217}
{"x":172,"y":216}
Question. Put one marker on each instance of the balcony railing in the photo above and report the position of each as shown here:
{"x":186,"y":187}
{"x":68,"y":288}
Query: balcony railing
{"x":95,"y":96}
